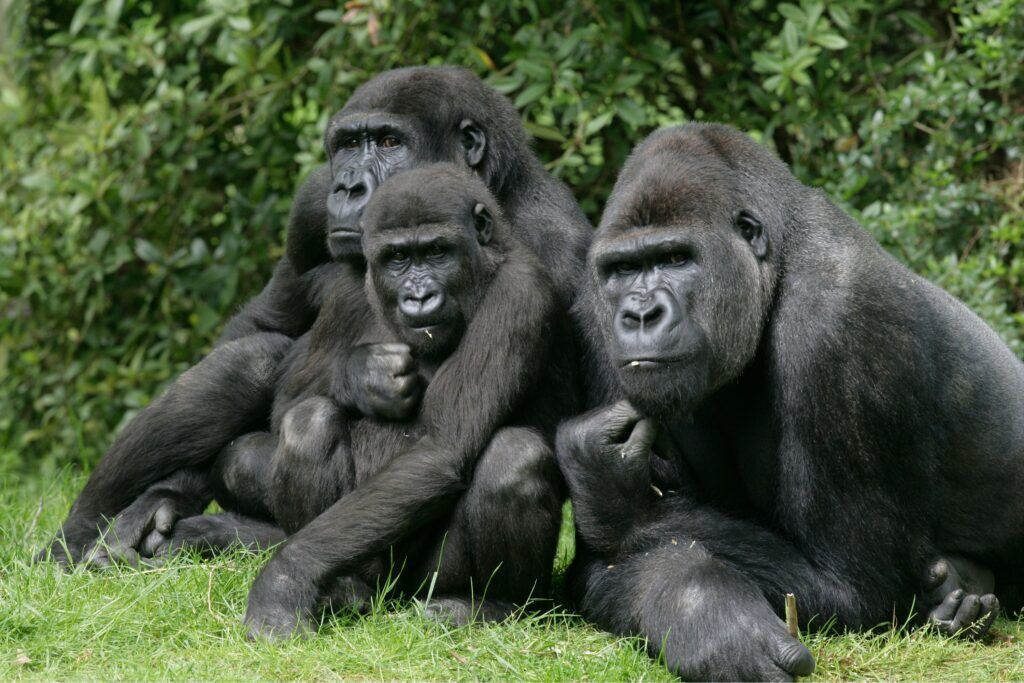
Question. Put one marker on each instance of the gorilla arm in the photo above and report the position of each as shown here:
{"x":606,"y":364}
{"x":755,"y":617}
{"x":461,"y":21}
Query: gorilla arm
{"x":505,"y":347}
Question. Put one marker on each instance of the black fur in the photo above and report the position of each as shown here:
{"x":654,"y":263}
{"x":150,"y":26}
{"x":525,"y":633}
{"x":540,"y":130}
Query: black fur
{"x":449,"y":114}
{"x":828,"y":422}
{"x":469,"y":484}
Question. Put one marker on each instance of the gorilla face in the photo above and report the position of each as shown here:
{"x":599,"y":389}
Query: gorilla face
{"x":367,"y":147}
{"x":680,"y":291}
{"x":427,"y":237}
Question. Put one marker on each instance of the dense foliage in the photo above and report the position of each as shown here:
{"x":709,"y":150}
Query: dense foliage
{"x":150,"y":149}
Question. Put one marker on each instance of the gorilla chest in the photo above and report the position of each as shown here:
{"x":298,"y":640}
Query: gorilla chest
{"x":727,"y":462}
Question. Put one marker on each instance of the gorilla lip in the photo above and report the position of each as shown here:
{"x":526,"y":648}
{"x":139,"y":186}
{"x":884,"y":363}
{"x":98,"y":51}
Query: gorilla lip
{"x":649,"y":362}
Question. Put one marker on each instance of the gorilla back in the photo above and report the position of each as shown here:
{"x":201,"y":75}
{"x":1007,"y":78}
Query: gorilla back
{"x":831,"y":421}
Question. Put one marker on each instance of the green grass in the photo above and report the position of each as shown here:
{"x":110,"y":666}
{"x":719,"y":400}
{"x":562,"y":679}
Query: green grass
{"x":183,"y":622}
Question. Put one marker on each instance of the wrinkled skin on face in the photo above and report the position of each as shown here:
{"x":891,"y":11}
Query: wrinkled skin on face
{"x":682,"y":288}
{"x":371,"y":139}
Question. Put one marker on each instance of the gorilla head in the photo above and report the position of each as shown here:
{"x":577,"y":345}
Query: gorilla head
{"x":433,"y":238}
{"x":407,"y":118}
{"x":684,"y":265}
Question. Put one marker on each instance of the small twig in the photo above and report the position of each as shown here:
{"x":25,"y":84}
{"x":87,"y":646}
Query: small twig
{"x":791,"y":620}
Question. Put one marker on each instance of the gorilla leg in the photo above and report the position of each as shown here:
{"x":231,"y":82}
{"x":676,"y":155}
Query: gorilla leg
{"x":241,"y":474}
{"x":227,"y":394}
{"x":499,"y":545}
{"x":288,"y":479}
{"x":312,"y":467}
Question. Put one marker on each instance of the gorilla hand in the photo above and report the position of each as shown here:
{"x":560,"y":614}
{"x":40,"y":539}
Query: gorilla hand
{"x":709,"y":621}
{"x":958,"y":593}
{"x":605,"y":457}
{"x":280,"y":605}
{"x":379,"y":380}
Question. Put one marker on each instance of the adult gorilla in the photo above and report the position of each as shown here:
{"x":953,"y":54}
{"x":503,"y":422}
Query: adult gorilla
{"x":828,"y":422}
{"x":400,"y":119}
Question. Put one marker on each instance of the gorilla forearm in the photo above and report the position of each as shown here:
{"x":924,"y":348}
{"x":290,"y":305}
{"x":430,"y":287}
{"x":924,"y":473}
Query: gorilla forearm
{"x":225,"y":395}
{"x":766,"y":558}
{"x":418,"y":487}
{"x":287,"y":305}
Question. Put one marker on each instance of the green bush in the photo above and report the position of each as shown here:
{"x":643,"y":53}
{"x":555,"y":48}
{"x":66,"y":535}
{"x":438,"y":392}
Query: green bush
{"x":150,"y":150}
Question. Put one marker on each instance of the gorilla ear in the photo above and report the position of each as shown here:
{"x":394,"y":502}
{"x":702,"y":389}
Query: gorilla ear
{"x":474,"y":142}
{"x":753,"y":232}
{"x":482,"y":222}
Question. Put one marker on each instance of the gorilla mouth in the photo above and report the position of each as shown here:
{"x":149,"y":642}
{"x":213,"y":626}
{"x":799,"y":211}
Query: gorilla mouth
{"x":650,"y":363}
{"x":345,"y":232}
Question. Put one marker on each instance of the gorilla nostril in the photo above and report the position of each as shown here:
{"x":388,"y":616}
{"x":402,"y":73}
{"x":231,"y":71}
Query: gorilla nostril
{"x":652,"y":315}
{"x":357,"y":191}
{"x":631,"y":319}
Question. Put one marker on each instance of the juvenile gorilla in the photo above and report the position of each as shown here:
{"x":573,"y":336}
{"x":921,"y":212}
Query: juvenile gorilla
{"x":399,"y":120}
{"x":828,"y":423}
{"x":448,"y":282}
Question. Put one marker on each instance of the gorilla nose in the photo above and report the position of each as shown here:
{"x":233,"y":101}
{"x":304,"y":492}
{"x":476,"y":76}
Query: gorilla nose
{"x":642,"y":316}
{"x":346,"y":203}
{"x":421,"y":304}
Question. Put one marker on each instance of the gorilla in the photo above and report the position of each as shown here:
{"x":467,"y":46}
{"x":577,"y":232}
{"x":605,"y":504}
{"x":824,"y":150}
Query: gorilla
{"x":825,"y":422}
{"x":447,"y":282}
{"x":401,"y":119}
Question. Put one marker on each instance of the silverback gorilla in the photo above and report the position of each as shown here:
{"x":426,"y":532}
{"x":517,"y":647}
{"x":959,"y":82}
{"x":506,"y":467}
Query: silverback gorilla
{"x":446,"y":280}
{"x":825,"y":422}
{"x":399,"y":120}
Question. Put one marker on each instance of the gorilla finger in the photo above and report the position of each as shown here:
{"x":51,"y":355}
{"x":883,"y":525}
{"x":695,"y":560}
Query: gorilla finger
{"x":642,"y":438}
{"x":935,"y":575}
{"x":405,"y":385}
{"x":794,"y":658}
{"x":617,"y":422}
{"x":989,"y":612}
{"x":165,"y":517}
{"x":153,"y":543}
{"x":968,"y":613}
{"x":948,"y":608}
{"x":398,"y":363}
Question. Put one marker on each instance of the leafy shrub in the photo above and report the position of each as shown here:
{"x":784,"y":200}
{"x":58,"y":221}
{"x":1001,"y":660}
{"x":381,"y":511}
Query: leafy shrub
{"x":151,"y":149}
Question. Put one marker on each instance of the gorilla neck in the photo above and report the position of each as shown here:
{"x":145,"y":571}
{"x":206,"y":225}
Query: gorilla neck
{"x":727,"y":448}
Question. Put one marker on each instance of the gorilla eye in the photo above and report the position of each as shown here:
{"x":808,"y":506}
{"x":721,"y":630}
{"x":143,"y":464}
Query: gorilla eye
{"x":351,"y":142}
{"x":436,"y":250}
{"x":624,"y":268}
{"x":389,"y":141}
{"x":677,"y":258}
{"x":749,"y":226}
{"x":397,"y":257}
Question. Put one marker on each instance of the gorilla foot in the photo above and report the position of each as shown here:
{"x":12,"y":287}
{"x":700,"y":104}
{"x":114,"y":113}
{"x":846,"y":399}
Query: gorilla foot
{"x":348,"y":593}
{"x":964,"y":614}
{"x":960,"y":592}
{"x":461,"y":611}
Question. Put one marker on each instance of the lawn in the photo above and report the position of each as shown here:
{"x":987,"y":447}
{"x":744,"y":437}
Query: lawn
{"x":182,"y":621}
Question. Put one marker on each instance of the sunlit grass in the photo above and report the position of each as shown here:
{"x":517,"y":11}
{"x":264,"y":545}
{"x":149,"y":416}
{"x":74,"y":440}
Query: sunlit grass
{"x":182,"y":621}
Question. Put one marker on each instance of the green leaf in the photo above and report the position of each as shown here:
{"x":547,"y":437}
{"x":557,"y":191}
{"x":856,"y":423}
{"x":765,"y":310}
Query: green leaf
{"x":813,"y":11}
{"x":543,"y":132}
{"x":831,"y":41}
{"x":113,"y":11}
{"x":240,"y":24}
{"x":839,"y":15}
{"x":531,"y":94}
{"x":81,"y":18}
{"x":793,"y":13}
{"x":199,"y":25}
{"x":916,"y":22}
{"x":630,"y":112}
{"x":790,"y":37}
{"x":597,"y":123}
{"x":145,"y":250}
